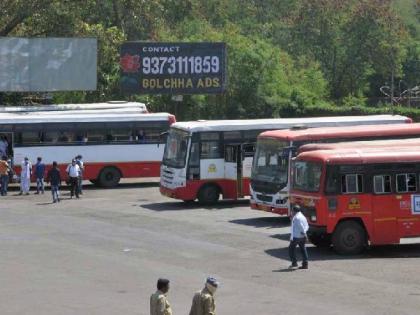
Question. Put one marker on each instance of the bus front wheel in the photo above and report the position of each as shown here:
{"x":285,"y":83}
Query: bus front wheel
{"x":349,"y":238}
{"x":109,"y":177}
{"x":208,"y":194}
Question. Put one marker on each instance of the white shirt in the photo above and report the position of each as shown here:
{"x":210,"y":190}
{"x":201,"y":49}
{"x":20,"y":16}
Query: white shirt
{"x":299,"y":226}
{"x":73,"y":170}
{"x":26,"y":170}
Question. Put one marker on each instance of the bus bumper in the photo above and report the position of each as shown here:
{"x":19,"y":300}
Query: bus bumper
{"x":317,"y":230}
{"x":268,"y":208}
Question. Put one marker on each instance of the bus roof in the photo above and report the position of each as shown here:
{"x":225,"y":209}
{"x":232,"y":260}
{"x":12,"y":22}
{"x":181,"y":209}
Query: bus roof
{"x":33,"y":118}
{"x":359,"y":144}
{"x":66,"y":107}
{"x":285,"y":123}
{"x":362,"y":156}
{"x":359,"y":131}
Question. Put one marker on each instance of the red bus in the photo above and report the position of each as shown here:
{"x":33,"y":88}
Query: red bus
{"x":360,"y":197}
{"x":269,"y":186}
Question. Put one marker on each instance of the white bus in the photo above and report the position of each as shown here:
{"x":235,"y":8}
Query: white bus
{"x":113,"y":144}
{"x":206,"y":159}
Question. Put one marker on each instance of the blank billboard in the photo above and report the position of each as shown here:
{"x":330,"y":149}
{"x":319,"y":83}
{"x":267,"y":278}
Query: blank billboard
{"x":47,"y":64}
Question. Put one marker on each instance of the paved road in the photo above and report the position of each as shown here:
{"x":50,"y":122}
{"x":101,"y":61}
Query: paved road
{"x":103,"y":253}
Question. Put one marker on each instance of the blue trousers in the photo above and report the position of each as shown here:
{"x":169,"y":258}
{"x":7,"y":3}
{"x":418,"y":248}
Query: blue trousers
{"x":4,"y":184}
{"x":292,"y":249}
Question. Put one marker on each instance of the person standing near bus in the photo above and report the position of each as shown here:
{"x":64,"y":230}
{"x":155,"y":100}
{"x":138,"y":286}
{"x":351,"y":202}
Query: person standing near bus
{"x":159,"y":304}
{"x":73,"y":171}
{"x":25,"y":176}
{"x":4,"y":144}
{"x":79,"y":162}
{"x":4,"y":175}
{"x":54,"y":178}
{"x":203,"y":301}
{"x":298,"y":237}
{"x":39,"y":173}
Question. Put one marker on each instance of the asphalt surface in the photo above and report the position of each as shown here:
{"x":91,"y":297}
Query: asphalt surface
{"x":102,"y":254}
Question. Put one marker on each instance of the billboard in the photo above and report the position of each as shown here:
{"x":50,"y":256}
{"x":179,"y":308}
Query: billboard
{"x":173,"y":68}
{"x":47,"y":64}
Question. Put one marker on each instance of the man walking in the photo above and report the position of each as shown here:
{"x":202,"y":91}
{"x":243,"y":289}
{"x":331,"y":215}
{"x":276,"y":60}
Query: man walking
{"x":79,"y":162}
{"x":54,"y":178}
{"x":4,"y":175}
{"x":73,"y":171}
{"x":203,"y":301}
{"x":25,"y":177}
{"x":39,"y":173}
{"x":298,"y":237}
{"x":159,"y":304}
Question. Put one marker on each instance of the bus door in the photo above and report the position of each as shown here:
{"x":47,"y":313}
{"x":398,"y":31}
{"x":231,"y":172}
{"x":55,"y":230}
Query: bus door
{"x":233,"y":166}
{"x":6,"y":144}
{"x":385,"y":206}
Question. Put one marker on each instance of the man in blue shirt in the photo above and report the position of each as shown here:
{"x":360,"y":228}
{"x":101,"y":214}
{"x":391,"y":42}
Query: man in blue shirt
{"x":298,"y":237}
{"x":39,"y":173}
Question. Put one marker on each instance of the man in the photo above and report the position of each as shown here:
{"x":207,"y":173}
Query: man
{"x":73,"y":171}
{"x":3,"y":145}
{"x":79,"y":162}
{"x":159,"y":304}
{"x":203,"y":301}
{"x":4,"y":175}
{"x":298,"y":237}
{"x":25,"y":176}
{"x":54,"y":178}
{"x":39,"y":173}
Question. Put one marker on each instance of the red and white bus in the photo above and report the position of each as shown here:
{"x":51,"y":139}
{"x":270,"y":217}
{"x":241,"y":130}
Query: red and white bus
{"x":206,"y":159}
{"x":271,"y":166}
{"x":113,"y":144}
{"x":360,"y":197}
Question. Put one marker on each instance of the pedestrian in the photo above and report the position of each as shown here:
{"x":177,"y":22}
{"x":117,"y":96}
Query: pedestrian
{"x":159,"y":304}
{"x":3,"y":145}
{"x":4,"y":175}
{"x":25,"y":176}
{"x":54,"y":178}
{"x":79,"y":161}
{"x":298,"y":237}
{"x":39,"y":173}
{"x":203,"y":301}
{"x":73,"y":171}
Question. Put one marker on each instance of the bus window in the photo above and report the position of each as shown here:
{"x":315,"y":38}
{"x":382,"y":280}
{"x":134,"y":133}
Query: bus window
{"x":406,"y":182}
{"x":30,"y":137}
{"x":210,"y":150}
{"x":382,"y":184}
{"x":232,"y":135}
{"x":351,"y":184}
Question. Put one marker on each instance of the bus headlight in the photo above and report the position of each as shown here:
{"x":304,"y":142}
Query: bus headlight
{"x":313,"y":218}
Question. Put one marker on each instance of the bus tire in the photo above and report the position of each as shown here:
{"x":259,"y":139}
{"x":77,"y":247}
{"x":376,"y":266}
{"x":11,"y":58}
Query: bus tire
{"x":349,"y":238}
{"x":320,"y":240}
{"x":208,"y":194}
{"x":109,"y":177}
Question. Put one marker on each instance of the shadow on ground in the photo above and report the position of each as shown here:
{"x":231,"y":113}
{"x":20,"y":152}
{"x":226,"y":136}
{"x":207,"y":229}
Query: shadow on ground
{"x":375,"y":252}
{"x":179,"y":206}
{"x":264,"y":222}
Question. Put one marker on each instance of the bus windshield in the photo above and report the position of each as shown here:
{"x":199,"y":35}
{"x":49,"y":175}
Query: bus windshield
{"x":307,"y":176}
{"x":176,"y":148}
{"x":271,"y":162}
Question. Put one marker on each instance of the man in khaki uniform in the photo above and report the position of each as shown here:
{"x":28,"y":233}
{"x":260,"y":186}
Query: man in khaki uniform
{"x":159,"y":304}
{"x":203,"y":301}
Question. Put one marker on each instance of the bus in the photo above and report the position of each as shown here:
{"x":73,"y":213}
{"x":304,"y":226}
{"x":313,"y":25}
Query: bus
{"x":135,"y":106}
{"x":360,"y":197}
{"x":271,"y":166}
{"x":206,"y":159}
{"x":113,"y":144}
